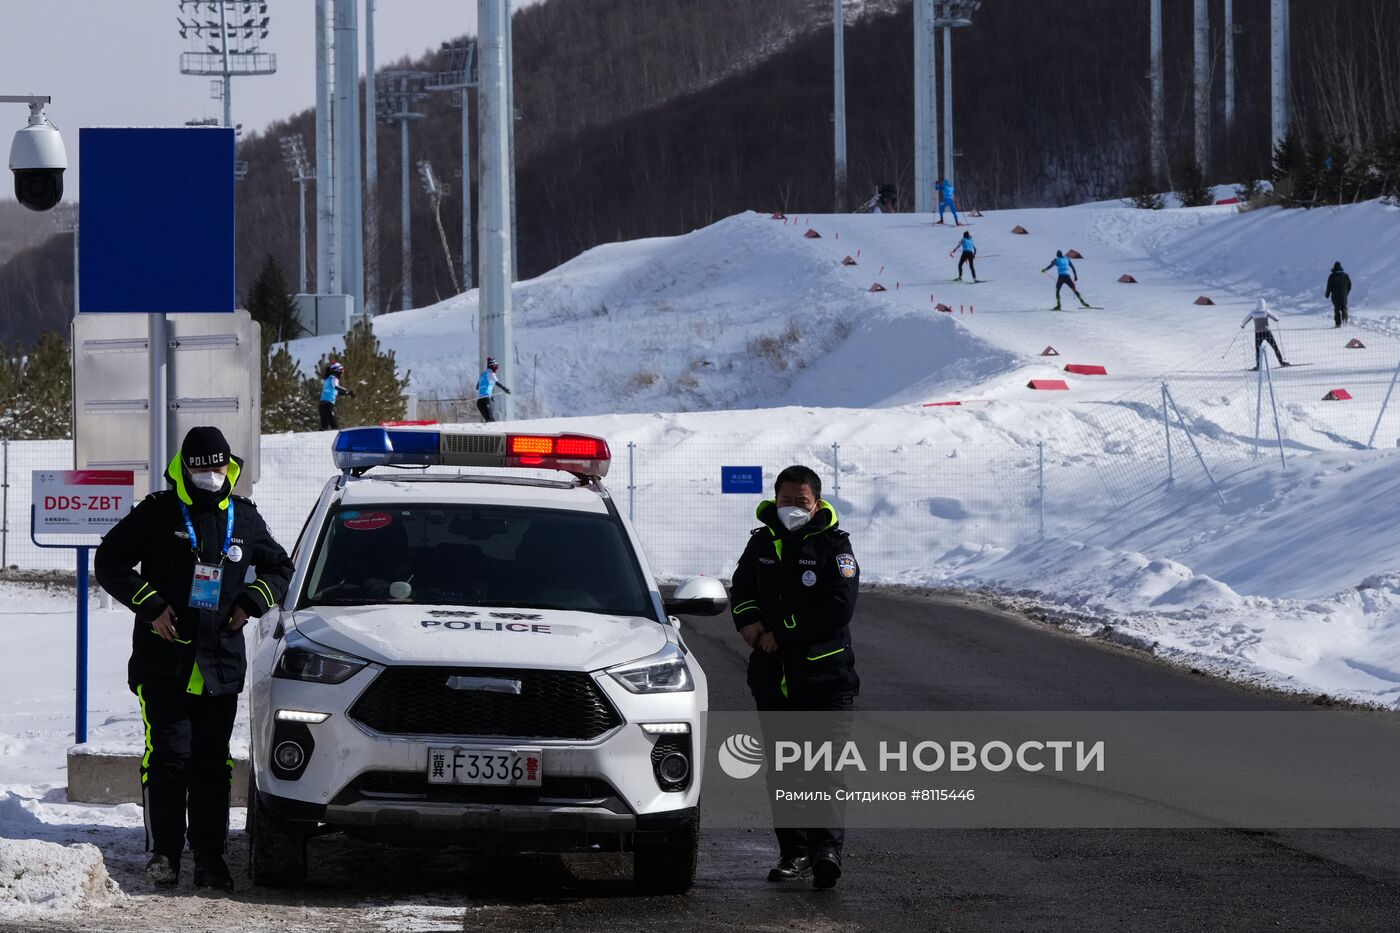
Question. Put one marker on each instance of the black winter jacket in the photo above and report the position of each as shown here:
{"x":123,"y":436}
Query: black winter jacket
{"x":1338,"y":289}
{"x":153,"y":535}
{"x":801,"y":585}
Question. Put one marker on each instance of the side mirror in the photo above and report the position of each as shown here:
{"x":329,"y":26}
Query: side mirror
{"x":698,"y":596}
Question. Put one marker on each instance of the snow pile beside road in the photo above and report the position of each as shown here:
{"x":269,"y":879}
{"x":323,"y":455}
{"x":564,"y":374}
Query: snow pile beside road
{"x":40,"y":880}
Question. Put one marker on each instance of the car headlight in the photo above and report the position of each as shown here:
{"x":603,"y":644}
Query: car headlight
{"x":663,"y":672}
{"x":303,"y":659}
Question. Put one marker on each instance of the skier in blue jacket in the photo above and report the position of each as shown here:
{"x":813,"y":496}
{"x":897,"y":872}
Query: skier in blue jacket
{"x":1066,"y":275}
{"x":969,"y":253}
{"x":331,"y":391}
{"x":945,"y":202}
{"x":486,"y":386}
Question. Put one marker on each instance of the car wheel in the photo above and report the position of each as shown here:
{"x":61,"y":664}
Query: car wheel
{"x":276,"y":847}
{"x":664,"y":863}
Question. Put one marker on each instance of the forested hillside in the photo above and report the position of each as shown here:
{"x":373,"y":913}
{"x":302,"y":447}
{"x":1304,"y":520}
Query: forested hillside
{"x":639,"y":118}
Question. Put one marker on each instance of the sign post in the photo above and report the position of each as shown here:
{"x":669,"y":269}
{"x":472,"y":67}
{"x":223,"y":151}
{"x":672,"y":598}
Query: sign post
{"x":85,"y":503}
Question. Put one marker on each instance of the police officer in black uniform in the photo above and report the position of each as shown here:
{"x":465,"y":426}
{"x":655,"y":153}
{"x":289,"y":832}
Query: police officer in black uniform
{"x":792,"y":599}
{"x":207,"y":565}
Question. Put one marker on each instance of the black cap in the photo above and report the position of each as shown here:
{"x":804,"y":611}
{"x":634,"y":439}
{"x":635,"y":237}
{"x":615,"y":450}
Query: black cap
{"x":1336,"y":267}
{"x":205,"y":447}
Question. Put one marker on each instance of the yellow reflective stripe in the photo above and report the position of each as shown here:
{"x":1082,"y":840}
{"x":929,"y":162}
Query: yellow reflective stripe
{"x":783,"y":684}
{"x":778,"y":546}
{"x":146,"y":758}
{"x":827,"y":655}
{"x":264,"y":591}
{"x":745,"y":609}
{"x":178,"y":641}
{"x":138,"y":599}
{"x":790,"y":622}
{"x":196,"y":684}
{"x":748,"y":604}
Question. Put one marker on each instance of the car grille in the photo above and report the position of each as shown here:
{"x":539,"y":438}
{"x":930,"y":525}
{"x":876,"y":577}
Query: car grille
{"x":550,"y":705}
{"x":412,"y":785}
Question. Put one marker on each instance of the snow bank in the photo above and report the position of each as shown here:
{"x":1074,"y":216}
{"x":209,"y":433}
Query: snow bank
{"x":41,"y":880}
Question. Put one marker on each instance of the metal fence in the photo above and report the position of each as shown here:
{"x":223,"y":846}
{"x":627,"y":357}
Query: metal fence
{"x":973,"y":479}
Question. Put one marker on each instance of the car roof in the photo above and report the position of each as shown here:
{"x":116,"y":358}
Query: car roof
{"x":437,"y":488}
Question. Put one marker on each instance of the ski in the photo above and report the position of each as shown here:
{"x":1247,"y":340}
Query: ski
{"x":1255,"y":369}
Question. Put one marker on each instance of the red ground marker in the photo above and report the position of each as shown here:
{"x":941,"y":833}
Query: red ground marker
{"x":944,"y":308}
{"x":877,"y":287}
{"x":1354,"y":344}
{"x":1020,"y":229}
{"x":1203,"y":300}
{"x":1337,"y":395}
{"x":812,"y":234}
{"x":1075,"y":254}
{"x":1048,"y":384}
{"x":1085,"y":369}
{"x":848,"y":261}
{"x":1127,"y":279}
{"x":1049,"y":351}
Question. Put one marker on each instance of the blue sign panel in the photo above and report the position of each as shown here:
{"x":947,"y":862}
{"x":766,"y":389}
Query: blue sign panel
{"x":156,"y":220}
{"x":742,"y":479}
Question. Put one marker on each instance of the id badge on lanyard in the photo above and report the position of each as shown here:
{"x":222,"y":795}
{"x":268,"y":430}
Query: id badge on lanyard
{"x":208,"y":578}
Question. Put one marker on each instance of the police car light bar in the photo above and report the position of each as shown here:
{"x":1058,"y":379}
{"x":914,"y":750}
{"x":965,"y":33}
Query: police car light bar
{"x":362,"y":448}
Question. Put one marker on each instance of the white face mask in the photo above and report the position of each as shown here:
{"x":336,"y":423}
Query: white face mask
{"x":209,"y":482}
{"x":793,"y":516}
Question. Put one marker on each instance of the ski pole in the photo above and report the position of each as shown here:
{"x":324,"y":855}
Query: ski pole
{"x":1232,"y":343}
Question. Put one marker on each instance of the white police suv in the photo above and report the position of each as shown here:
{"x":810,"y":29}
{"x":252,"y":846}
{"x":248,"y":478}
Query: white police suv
{"x":478,"y":657}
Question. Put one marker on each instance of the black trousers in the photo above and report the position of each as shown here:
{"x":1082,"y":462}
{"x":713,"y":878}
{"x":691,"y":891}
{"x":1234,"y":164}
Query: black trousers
{"x":1262,"y":337}
{"x":1339,"y":314}
{"x":187,"y":769}
{"x":1060,"y":283}
{"x":765,"y":683}
{"x":967,"y":258}
{"x":328,"y":422}
{"x":483,"y":405}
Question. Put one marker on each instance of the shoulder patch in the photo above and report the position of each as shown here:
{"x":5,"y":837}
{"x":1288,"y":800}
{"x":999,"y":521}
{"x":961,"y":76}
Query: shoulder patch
{"x":846,"y":564}
{"x":243,"y":499}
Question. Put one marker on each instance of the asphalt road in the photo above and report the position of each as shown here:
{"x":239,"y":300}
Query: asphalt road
{"x":914,"y":654}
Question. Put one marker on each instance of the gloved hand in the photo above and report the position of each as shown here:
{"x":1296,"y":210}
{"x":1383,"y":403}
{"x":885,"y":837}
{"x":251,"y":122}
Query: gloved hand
{"x":505,"y":390}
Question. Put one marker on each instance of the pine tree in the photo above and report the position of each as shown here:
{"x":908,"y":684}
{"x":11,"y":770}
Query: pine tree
{"x":288,"y":397}
{"x":380,"y":395}
{"x":1143,"y":192}
{"x":271,"y":305}
{"x":44,"y":393}
{"x":1192,"y":187}
{"x":1289,"y":165}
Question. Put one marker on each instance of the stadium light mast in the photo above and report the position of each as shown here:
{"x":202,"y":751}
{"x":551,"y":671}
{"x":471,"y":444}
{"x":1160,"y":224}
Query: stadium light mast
{"x":227,"y":47}
{"x":1230,"y":30}
{"x":460,"y":76}
{"x":1202,"y":81}
{"x":950,"y":15}
{"x":925,"y":109}
{"x":371,"y":247}
{"x":349,"y":198}
{"x":327,"y":275}
{"x":400,"y":92}
{"x":497,"y":160}
{"x":437,"y":191}
{"x":294,"y":153}
{"x":1279,"y":55}
{"x":1158,"y":89}
{"x":838,"y":32}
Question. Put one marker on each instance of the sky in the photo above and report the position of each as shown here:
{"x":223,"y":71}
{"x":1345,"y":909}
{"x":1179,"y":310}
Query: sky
{"x":116,"y":62}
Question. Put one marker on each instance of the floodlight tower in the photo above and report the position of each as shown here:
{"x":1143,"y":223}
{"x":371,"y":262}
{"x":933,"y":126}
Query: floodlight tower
{"x":350,"y":242}
{"x":225,"y":41}
{"x":925,"y":109}
{"x":1158,"y":88}
{"x":460,"y":76}
{"x":294,"y":152}
{"x":1279,"y":58}
{"x":371,"y":248}
{"x":838,"y":115}
{"x":949,"y":15}
{"x":1201,"y":45}
{"x":399,"y":93}
{"x":497,"y":159}
{"x":436,"y":192}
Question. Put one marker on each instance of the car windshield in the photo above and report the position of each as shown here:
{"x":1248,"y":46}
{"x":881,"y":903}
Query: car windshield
{"x":476,"y":555}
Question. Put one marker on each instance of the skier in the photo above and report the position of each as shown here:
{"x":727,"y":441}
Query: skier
{"x":331,"y":391}
{"x":945,"y":189}
{"x":1067,"y":275}
{"x":1338,"y":289}
{"x":1261,"y":316}
{"x":969,"y":254}
{"x":486,"y":387}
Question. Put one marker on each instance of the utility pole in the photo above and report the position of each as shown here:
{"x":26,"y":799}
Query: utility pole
{"x":400,"y":94}
{"x":1279,"y":54}
{"x":1202,"y":82}
{"x":950,"y":15}
{"x":1158,"y":91}
{"x":347,"y":132}
{"x":838,"y":31}
{"x":496,"y":158}
{"x":371,"y":171}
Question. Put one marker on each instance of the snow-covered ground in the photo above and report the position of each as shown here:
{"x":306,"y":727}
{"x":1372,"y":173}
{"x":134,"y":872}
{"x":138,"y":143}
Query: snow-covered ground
{"x":749,"y":343}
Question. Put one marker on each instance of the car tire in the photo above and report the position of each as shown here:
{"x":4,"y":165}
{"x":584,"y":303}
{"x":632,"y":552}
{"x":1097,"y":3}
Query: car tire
{"x":276,"y":847}
{"x":664,"y":863}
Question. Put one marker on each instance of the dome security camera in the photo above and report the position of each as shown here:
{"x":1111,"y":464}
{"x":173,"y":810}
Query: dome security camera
{"x":37,"y":158}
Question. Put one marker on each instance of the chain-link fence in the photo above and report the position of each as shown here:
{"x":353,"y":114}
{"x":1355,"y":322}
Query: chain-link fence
{"x":1094,"y":471}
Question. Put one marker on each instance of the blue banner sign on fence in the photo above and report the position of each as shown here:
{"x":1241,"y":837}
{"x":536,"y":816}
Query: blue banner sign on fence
{"x":741,"y":479}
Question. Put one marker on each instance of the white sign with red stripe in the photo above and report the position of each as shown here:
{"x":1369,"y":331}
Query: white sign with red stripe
{"x":80,"y":501}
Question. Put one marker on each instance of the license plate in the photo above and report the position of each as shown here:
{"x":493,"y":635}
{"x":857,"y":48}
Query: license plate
{"x":498,"y":767}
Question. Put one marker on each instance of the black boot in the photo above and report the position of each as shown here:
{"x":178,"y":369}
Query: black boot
{"x":210,"y":871}
{"x":826,"y":868}
{"x":791,"y":869}
{"x":163,"y":871}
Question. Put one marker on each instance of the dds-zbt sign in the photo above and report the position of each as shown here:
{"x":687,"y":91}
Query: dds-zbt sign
{"x":80,"y":501}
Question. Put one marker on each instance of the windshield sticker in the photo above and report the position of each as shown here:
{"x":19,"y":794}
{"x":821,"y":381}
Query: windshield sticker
{"x":459,"y":625}
{"x":366,"y":521}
